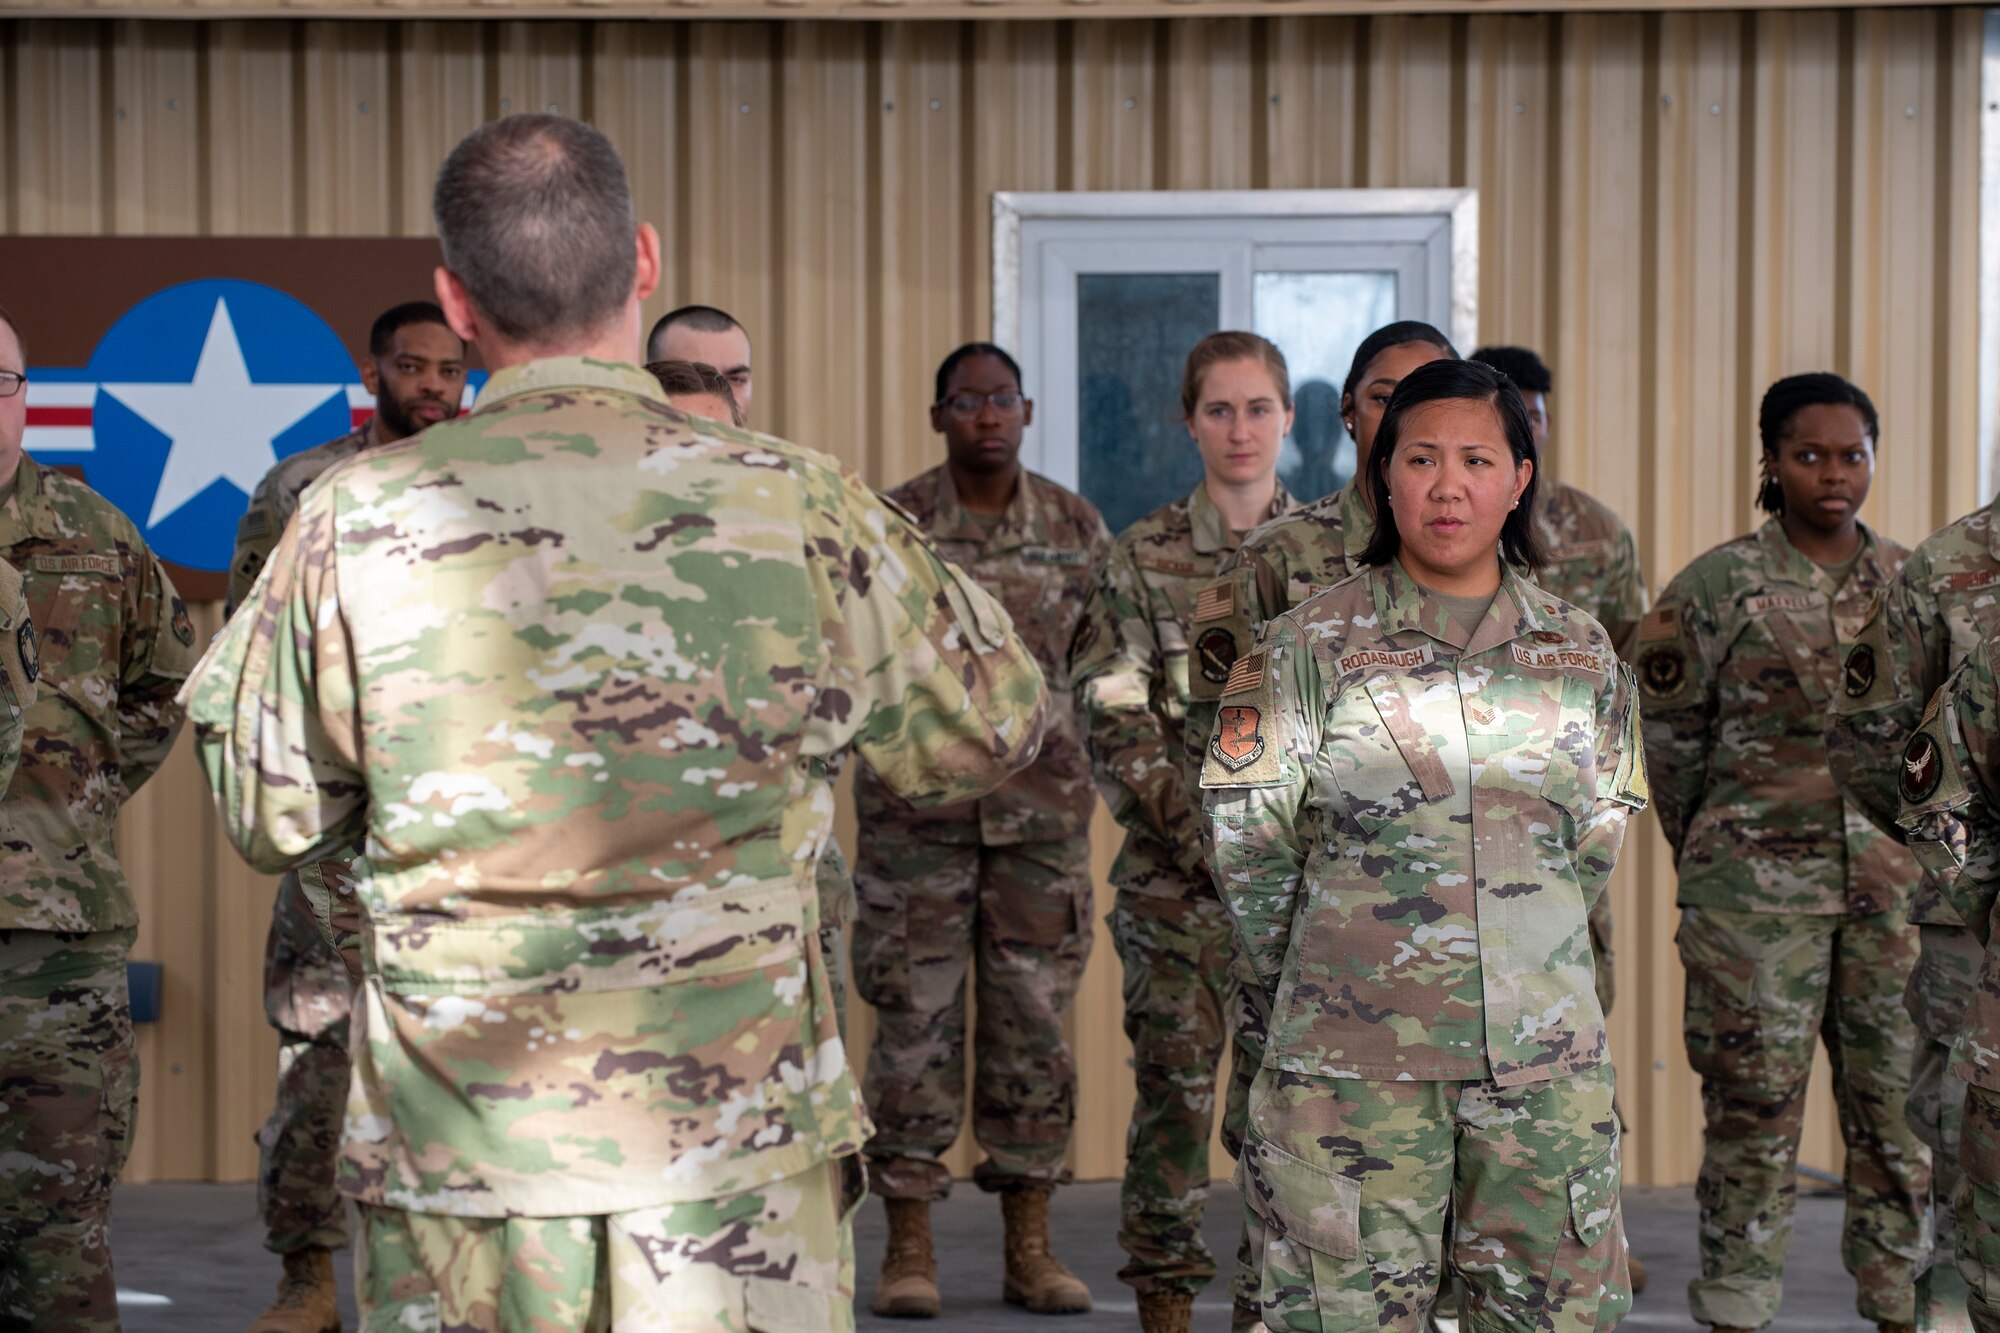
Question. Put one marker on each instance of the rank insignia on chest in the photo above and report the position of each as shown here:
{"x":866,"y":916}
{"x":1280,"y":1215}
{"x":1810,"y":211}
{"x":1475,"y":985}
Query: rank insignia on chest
{"x":1238,"y":741}
{"x":1923,"y":768}
{"x":1858,"y":672}
{"x":1215,"y":653}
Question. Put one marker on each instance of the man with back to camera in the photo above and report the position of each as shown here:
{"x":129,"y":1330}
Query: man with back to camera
{"x":567,"y":673}
{"x":415,"y":367}
{"x":114,"y":642}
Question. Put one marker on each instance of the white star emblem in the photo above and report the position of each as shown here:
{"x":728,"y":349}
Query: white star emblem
{"x":221,"y":424}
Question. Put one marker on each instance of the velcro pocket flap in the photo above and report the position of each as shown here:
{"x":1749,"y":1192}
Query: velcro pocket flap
{"x":1593,"y":1198}
{"x":1312,"y":1205}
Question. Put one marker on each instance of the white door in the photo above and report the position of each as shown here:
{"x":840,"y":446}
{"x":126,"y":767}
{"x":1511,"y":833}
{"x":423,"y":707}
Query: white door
{"x":1100,"y":296}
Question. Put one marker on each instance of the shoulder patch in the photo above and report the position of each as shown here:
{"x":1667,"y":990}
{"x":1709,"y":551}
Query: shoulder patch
{"x":1239,"y":738}
{"x":1923,"y":767}
{"x":1215,"y":653}
{"x":1857,"y":673}
{"x":1215,"y":602}
{"x":30,"y":649}
{"x":1243,"y":749}
{"x":255,"y":523}
{"x":183,"y":624}
{"x":1662,"y":670}
{"x":1403,"y":659}
{"x":1663,"y":623}
{"x":1248,"y":674}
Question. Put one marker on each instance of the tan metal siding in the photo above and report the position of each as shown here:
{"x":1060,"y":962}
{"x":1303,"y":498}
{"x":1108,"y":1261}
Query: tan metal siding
{"x":1677,"y":207}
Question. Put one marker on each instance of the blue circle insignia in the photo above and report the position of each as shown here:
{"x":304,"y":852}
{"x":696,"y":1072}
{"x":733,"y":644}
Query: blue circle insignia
{"x":202,"y":387}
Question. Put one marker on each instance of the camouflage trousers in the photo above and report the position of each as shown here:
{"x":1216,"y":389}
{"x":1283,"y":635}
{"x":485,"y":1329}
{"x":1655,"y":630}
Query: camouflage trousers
{"x":1762,"y":988}
{"x":307,"y":997}
{"x":927,"y":912}
{"x":1939,"y":994}
{"x":836,"y":914}
{"x":1186,"y":997}
{"x":1362,"y":1194}
{"x":69,"y":1085}
{"x":1603,"y":962}
{"x":778,"y":1259}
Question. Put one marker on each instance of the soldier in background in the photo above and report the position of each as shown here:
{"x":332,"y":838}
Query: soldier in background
{"x":1949,"y":780}
{"x":709,"y":337}
{"x":115,"y":641}
{"x":1590,"y":561}
{"x":415,"y":367}
{"x":1436,"y":1096}
{"x":1794,"y":922}
{"x":577,"y":707}
{"x":1929,"y":619}
{"x":696,"y":387}
{"x":1312,"y":548}
{"x":1005,"y":880}
{"x":1186,"y":989}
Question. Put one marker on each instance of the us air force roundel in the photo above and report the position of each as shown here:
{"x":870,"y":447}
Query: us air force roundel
{"x":1923,"y":768}
{"x":1858,"y":673}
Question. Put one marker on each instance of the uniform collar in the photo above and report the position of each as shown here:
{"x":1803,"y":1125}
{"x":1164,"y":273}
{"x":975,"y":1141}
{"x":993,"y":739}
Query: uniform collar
{"x":1022,"y":523}
{"x":1518,"y":610}
{"x":567,"y":372}
{"x":1782,"y":560}
{"x":1357,"y":525}
{"x":1210,"y":530}
{"x":31,"y":497}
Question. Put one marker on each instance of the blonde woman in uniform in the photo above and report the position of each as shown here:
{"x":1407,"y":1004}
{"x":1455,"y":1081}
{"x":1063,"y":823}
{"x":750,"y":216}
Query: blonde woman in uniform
{"x":1418,"y":782}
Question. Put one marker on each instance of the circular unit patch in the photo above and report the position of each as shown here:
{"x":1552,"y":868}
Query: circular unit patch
{"x":1663,"y":670}
{"x":1923,"y":768}
{"x":1858,"y":674}
{"x":1215,"y":654}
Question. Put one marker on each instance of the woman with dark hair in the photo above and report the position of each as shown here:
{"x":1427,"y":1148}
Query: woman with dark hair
{"x":1185,"y":996}
{"x":1418,"y":782}
{"x":1793,"y":922}
{"x":1285,"y":561}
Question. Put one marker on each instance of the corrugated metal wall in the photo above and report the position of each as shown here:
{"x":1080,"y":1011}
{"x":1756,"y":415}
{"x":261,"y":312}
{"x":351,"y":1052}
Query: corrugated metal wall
{"x":1676,"y":207}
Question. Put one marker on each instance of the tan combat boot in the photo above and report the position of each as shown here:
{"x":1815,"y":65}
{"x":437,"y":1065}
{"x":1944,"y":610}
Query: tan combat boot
{"x":1035,"y":1277}
{"x":1166,"y":1312}
{"x":908,"y":1289}
{"x":1637,"y":1271}
{"x":306,"y":1302}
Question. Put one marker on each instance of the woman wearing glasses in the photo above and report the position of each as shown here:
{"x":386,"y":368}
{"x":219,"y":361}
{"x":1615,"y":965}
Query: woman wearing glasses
{"x":1005,"y":879}
{"x":1418,"y":782}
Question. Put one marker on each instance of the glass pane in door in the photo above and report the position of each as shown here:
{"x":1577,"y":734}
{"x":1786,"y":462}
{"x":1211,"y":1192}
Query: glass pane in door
{"x":1134,"y":331}
{"x":1317,"y":320}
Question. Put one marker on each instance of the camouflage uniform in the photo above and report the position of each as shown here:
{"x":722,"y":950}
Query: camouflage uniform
{"x":1005,"y":880}
{"x":1933,"y":614}
{"x":307,"y":993}
{"x":1794,"y":918}
{"x":20,"y":663}
{"x":1409,"y":835}
{"x":114,"y":643}
{"x":1947,"y":779}
{"x":1591,"y":562}
{"x":579,"y":712}
{"x":1184,"y":993}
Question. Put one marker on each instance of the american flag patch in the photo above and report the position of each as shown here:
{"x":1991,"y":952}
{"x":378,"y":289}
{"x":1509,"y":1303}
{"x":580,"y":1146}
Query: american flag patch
{"x":1215,"y":602}
{"x":1664,"y":623}
{"x":1247,"y":674}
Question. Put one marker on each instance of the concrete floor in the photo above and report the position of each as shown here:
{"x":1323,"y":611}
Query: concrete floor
{"x":189,"y":1257}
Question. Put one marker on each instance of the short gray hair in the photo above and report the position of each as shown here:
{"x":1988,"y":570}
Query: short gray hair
{"x":535,"y":217}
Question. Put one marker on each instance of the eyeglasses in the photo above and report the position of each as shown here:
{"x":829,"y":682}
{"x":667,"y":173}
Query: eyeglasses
{"x":11,"y":383}
{"x":965,"y":406}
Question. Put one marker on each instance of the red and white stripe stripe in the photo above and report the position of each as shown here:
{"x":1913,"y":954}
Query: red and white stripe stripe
{"x":61,"y":415}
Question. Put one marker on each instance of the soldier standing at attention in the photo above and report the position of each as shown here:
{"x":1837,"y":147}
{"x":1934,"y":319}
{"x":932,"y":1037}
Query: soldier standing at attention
{"x":115,"y":641}
{"x":709,"y":337}
{"x":1950,"y":777}
{"x":415,"y":367}
{"x":1418,"y":780}
{"x":1185,"y":988}
{"x":1794,"y":923}
{"x":569,"y":670}
{"x":1927,"y":621}
{"x":1005,"y":880}
{"x":1285,"y":561}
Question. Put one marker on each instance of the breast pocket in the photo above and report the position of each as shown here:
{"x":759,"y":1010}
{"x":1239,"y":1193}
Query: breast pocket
{"x":1380,"y":756}
{"x":1569,"y":779}
{"x":77,"y":626}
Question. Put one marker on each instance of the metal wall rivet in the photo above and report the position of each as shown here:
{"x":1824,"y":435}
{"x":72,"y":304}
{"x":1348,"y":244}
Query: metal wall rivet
{"x":1666,"y":99}
{"x":1131,"y":102}
{"x":1520,"y":108}
{"x":1909,"y":113}
{"x":1715,"y":108}
{"x":743,"y":110}
{"x":935,"y":104}
{"x":173,"y":104}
